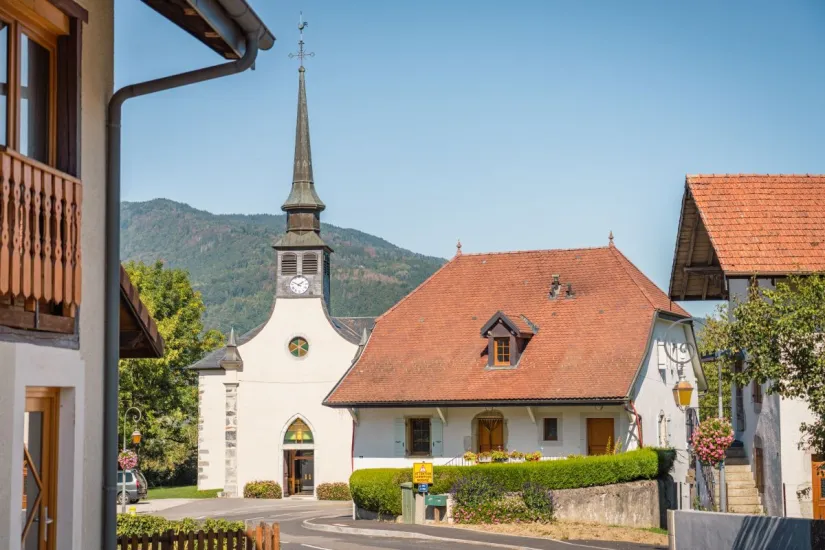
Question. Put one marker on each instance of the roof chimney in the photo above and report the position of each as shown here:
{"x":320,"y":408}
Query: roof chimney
{"x":570,"y":293}
{"x":556,"y":287}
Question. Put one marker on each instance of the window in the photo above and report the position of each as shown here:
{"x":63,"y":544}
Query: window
{"x":28,"y":84}
{"x":309,"y":264}
{"x":502,"y":351}
{"x":298,"y":347}
{"x":289,"y":264}
{"x":757,"y":393}
{"x":551,"y":429}
{"x":419,"y":436}
{"x":298,"y":432}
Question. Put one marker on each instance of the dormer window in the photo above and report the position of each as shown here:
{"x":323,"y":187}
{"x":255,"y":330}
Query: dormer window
{"x":507,"y":337}
{"x":501,"y":349}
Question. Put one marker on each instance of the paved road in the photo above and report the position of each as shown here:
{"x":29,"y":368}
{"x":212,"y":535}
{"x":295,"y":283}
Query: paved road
{"x":292,"y":513}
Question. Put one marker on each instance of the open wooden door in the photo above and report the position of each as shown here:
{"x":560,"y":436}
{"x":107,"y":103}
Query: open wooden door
{"x":818,"y":485}
{"x":40,"y":468}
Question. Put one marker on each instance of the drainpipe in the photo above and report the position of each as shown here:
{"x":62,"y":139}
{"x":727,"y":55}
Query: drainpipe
{"x":112,"y":275}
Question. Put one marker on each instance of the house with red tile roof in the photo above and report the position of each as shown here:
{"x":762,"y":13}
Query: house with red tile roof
{"x":559,"y":351}
{"x":735,"y":229}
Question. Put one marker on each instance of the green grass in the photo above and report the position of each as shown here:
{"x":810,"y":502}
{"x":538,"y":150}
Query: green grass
{"x":656,"y":530}
{"x":190,"y":491}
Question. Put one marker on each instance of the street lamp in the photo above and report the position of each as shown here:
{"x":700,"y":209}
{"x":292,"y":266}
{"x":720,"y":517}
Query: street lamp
{"x":682,"y":392}
{"x":136,"y":436}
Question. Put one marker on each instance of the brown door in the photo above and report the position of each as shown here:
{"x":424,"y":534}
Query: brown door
{"x":818,"y":485}
{"x":39,"y":468}
{"x":490,"y":434}
{"x":599,"y":432}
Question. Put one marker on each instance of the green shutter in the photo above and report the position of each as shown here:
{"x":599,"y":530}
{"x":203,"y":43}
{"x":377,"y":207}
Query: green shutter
{"x":437,"y":436}
{"x":400,"y":431}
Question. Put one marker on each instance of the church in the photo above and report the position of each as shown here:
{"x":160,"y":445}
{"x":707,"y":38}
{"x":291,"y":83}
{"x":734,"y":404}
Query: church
{"x":548,"y":352}
{"x":260,"y":398}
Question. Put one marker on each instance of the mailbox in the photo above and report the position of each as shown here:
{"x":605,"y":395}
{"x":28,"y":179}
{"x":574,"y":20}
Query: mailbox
{"x":435,"y":500}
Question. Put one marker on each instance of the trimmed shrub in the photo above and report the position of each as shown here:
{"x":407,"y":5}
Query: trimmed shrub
{"x":262,"y":489}
{"x":481,"y":499}
{"x":378,"y":490}
{"x":128,"y":525}
{"x":333,"y":491}
{"x":666,"y":459}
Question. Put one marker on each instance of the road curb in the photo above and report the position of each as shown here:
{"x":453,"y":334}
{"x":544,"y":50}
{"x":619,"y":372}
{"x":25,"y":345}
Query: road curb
{"x":385,"y":533}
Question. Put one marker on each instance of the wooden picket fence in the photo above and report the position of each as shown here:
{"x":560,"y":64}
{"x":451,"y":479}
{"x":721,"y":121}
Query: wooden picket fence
{"x":256,"y":537}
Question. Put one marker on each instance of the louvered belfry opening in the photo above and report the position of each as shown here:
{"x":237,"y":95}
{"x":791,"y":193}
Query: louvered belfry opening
{"x":289,"y":263}
{"x":309,"y":263}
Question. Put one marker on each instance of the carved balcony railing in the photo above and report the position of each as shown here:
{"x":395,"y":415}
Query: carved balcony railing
{"x":40,"y":267}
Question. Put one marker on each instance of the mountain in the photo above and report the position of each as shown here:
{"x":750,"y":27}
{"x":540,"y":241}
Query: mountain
{"x":231,"y":262}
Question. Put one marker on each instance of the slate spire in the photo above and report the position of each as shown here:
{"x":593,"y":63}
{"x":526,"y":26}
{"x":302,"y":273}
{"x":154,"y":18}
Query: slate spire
{"x":303,"y":206}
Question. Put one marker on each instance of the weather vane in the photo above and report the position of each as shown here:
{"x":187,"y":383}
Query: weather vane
{"x":301,"y":53}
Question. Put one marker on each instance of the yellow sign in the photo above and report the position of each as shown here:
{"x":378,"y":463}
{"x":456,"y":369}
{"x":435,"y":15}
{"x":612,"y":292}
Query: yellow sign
{"x":422,"y":472}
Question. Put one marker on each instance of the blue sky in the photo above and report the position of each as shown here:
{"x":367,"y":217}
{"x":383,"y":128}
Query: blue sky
{"x":520,"y":125}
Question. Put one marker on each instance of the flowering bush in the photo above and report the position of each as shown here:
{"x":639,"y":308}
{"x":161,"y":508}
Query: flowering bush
{"x":262,"y":489}
{"x":711,"y":439}
{"x":482,"y":499}
{"x":470,"y":456}
{"x":533,"y":457}
{"x":333,"y":491}
{"x":499,"y":456}
{"x":517,"y":455}
{"x":484,"y":457}
{"x":127,"y":460}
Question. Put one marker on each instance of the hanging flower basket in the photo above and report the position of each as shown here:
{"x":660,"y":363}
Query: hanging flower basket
{"x":127,"y":460}
{"x":711,"y":439}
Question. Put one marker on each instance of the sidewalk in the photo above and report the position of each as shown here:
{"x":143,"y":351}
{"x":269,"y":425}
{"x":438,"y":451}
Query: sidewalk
{"x":346,"y":525}
{"x":156,"y":505}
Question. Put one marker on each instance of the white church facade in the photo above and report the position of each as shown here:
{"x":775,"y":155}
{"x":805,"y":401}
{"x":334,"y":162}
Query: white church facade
{"x":260,"y":398}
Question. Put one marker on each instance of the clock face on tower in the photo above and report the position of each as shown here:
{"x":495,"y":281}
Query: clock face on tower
{"x":299,"y":284}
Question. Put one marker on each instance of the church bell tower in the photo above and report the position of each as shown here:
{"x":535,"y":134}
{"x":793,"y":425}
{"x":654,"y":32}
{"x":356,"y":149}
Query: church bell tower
{"x":303,"y":257}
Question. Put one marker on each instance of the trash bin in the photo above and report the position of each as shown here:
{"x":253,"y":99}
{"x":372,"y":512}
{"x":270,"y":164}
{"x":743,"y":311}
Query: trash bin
{"x":407,"y":502}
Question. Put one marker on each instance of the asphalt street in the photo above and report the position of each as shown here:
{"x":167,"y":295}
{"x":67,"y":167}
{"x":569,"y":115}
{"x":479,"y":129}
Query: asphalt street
{"x":299,"y":518}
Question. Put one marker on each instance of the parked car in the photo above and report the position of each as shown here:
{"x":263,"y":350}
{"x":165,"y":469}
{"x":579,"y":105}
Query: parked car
{"x":136,"y":486}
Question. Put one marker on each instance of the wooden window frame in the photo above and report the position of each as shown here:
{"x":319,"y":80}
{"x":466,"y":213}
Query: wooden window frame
{"x":46,"y":34}
{"x":502,"y":342}
{"x":544,"y":428}
{"x":759,"y":469}
{"x":411,"y":438}
{"x":756,"y":393}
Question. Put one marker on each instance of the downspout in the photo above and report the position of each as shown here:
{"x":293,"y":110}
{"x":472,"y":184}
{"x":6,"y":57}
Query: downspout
{"x":112,"y":258}
{"x":631,"y":408}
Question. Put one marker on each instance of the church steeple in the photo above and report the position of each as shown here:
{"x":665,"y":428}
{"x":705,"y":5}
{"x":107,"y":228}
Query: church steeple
{"x":303,"y":206}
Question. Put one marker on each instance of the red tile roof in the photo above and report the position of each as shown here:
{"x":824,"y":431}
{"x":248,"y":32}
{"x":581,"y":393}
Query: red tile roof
{"x":428,"y":348}
{"x":768,"y":224}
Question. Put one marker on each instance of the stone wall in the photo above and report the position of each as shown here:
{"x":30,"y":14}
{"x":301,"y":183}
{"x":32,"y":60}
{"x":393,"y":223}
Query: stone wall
{"x":633,"y":504}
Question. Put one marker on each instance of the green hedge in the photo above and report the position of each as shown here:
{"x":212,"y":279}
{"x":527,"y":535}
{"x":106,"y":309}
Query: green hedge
{"x":378,"y":490}
{"x":333,"y":491}
{"x":263,"y":489}
{"x":128,"y":525}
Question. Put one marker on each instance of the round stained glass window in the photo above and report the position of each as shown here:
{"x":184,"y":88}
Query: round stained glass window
{"x":298,"y":347}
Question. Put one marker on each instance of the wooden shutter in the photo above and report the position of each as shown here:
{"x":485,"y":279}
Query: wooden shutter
{"x":400,"y":435}
{"x":437,"y":436}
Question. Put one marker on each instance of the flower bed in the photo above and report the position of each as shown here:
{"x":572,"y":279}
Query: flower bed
{"x":377,"y":490}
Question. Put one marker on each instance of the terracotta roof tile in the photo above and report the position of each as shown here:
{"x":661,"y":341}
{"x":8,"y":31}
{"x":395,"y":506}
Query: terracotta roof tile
{"x":428,"y":348}
{"x":763,"y":223}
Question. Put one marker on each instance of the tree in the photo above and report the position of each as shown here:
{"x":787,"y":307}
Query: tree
{"x":164,"y":389}
{"x":713,"y":338}
{"x":780,"y":332}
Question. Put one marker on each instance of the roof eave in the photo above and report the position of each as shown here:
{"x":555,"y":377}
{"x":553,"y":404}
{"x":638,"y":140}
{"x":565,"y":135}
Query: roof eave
{"x":478,"y":403}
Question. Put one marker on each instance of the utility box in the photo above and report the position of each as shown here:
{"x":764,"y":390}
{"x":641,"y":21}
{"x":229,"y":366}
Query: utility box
{"x":407,"y":502}
{"x":436,"y":507}
{"x":435,"y":500}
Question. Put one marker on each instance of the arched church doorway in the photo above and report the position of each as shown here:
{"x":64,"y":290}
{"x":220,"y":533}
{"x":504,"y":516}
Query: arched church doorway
{"x":299,"y":459}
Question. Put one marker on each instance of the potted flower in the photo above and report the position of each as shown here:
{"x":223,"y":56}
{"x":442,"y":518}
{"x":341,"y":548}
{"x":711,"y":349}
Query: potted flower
{"x":711,"y":439}
{"x":127,"y":460}
{"x":499,"y":455}
{"x":470,"y":457}
{"x":484,"y":457}
{"x":516,"y":456}
{"x":533,"y":457}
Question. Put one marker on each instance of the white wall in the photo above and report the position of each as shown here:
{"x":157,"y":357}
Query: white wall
{"x":212,"y":432}
{"x":275,"y":388}
{"x":654,"y":392}
{"x":375,"y":433}
{"x":796,"y":461}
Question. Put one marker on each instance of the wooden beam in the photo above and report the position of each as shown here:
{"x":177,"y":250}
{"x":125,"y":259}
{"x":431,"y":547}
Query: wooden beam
{"x":704,"y":269}
{"x":132,"y":339}
{"x":442,"y":414}
{"x":691,"y":246}
{"x":531,"y":414}
{"x":707,"y":277}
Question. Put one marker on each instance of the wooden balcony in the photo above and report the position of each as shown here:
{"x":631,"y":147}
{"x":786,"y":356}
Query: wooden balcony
{"x":40,"y":257}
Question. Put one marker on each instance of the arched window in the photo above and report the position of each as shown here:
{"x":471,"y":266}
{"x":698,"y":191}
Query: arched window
{"x":489,"y":430}
{"x":298,"y":432}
